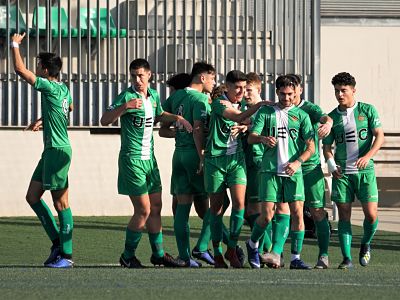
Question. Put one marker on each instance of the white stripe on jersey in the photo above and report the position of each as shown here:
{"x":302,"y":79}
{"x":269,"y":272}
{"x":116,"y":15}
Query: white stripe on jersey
{"x":148,"y":128}
{"x":232,"y":143}
{"x":282,"y":131}
{"x":350,"y":131}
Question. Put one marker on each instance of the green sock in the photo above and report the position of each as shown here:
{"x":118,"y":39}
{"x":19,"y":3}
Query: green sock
{"x":156,"y":243}
{"x":252,"y":219}
{"x":323,"y":236}
{"x":216,"y":226}
{"x":225,"y":234}
{"x":266,"y":242}
{"x":236,"y":223}
{"x":66,"y":227}
{"x":132,"y":240}
{"x":47,"y":219}
{"x":369,"y":231}
{"x":257,"y":233}
{"x":205,"y":234}
{"x":345,"y":236}
{"x":182,"y":230}
{"x":297,"y":238}
{"x":280,"y":234}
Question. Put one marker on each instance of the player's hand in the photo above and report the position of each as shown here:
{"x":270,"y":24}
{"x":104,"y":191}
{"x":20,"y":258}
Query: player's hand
{"x":186,"y":124}
{"x":134,"y":103}
{"x":337,"y":173}
{"x":324,"y":130}
{"x":362,"y":162}
{"x":270,"y":141}
{"x":35,"y":126}
{"x":226,"y":103}
{"x":18,"y":37}
{"x":237,"y":129}
{"x":292,"y":167}
{"x":200,"y":170}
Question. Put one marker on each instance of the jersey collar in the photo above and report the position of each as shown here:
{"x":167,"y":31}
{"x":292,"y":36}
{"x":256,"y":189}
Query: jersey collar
{"x":348,"y":110}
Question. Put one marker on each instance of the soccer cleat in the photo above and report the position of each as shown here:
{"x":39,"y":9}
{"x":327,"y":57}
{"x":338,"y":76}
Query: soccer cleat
{"x":240,"y":255}
{"x":191,"y":263}
{"x":131,"y":263}
{"x":298,"y":264}
{"x":365,"y":254}
{"x":167,"y":261}
{"x":55,"y":252}
{"x":61,"y":263}
{"x":220,"y":262}
{"x":271,"y":259}
{"x":253,"y":256}
{"x":234,"y":261}
{"x":205,"y":256}
{"x":322,"y":263}
{"x":346,"y":264}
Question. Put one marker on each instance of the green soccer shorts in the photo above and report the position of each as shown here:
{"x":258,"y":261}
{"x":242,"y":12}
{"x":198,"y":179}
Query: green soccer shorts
{"x":363,"y":185}
{"x":224,"y":171}
{"x":274,"y":188}
{"x":138,"y":177}
{"x":52,"y":169}
{"x":314,"y":188}
{"x":184,"y":179}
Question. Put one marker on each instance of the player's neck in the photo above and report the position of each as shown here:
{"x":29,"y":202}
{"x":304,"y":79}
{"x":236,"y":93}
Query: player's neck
{"x":345,"y":107}
{"x":197,"y":87}
{"x":50,"y":78}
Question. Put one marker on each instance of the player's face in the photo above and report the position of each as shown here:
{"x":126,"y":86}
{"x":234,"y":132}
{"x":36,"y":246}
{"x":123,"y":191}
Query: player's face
{"x":40,"y":72}
{"x":345,"y":95}
{"x":208,"y":82}
{"x":252,"y":94}
{"x":235,"y":91}
{"x":140,"y":79}
{"x":286,"y":95}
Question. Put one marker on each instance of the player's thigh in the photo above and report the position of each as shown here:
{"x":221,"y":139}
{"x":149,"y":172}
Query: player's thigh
{"x":314,"y":188}
{"x":214,"y":174}
{"x":56,"y":164}
{"x":342,"y":189}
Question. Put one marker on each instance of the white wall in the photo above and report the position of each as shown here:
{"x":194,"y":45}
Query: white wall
{"x":371,"y":55}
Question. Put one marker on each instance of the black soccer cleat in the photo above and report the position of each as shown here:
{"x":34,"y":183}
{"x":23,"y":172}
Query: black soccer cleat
{"x":167,"y":261}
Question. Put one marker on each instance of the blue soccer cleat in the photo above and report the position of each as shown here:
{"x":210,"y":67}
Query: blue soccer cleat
{"x":205,"y":256}
{"x":298,"y":264}
{"x":191,"y":263}
{"x":253,"y":256}
{"x":55,"y":252}
{"x":346,"y":264}
{"x":61,"y":263}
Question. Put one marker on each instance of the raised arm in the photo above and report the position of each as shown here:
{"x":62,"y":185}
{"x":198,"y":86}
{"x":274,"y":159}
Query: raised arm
{"x":237,"y":116}
{"x":19,"y":65}
{"x":168,"y":117}
{"x":111,"y":115}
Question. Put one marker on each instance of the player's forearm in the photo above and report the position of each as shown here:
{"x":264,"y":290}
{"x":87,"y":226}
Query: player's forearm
{"x":168,"y":117}
{"x":325,"y":119}
{"x":254,"y":138}
{"x":199,"y":138}
{"x":111,"y":116}
{"x":248,"y":113}
{"x":327,"y":151}
{"x":308,"y":152}
{"x":376,"y":145}
{"x":166,"y":132}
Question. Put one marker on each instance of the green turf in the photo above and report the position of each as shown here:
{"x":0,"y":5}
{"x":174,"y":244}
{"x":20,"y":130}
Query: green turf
{"x":98,"y":242}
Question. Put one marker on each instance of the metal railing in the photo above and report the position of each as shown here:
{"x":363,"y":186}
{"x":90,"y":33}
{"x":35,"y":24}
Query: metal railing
{"x":270,"y":37}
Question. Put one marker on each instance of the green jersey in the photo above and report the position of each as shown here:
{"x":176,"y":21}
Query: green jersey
{"x":291,"y":126}
{"x":55,"y":102}
{"x":315,"y":113}
{"x":220,"y":140}
{"x":193,"y":106}
{"x":255,"y":150}
{"x":352,"y":134}
{"x":137,"y":124}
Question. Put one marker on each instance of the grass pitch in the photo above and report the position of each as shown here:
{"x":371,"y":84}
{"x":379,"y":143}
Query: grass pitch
{"x":99,"y":241}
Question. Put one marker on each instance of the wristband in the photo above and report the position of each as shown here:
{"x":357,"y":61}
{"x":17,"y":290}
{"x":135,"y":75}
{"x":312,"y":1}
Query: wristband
{"x":14,"y":44}
{"x":331,"y":165}
{"x":300,"y":160}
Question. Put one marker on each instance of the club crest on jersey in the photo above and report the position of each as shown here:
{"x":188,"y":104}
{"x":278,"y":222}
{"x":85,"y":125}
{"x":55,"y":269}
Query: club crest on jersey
{"x":361,"y":118}
{"x":294,"y":118}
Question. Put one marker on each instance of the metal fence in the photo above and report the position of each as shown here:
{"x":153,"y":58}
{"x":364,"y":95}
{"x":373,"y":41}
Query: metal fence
{"x":98,"y":39}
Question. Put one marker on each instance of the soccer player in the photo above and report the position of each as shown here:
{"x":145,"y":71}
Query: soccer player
{"x":138,"y":177}
{"x":253,"y":155}
{"x":358,"y":136}
{"x":187,"y":179}
{"x":287,"y":134}
{"x":51,"y":172}
{"x":225,"y":166}
{"x":314,"y":183}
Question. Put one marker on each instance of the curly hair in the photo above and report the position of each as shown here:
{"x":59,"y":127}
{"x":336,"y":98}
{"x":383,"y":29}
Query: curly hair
{"x":218,"y":91}
{"x":343,"y":78}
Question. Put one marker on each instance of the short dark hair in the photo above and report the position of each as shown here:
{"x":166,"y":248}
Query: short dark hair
{"x":200,"y":68}
{"x":139,"y":63}
{"x":235,"y":76}
{"x":179,"y":81}
{"x":51,"y":62}
{"x":296,"y":78}
{"x":344,"y":78}
{"x":285,"y":81}
{"x":218,"y":91}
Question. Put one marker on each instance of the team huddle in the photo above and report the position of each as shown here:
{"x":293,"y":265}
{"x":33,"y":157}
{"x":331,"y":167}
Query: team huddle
{"x":226,"y":138}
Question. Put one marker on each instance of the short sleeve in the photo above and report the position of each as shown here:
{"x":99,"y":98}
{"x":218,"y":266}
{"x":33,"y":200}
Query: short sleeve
{"x":373,"y":118}
{"x":43,"y":85}
{"x":259,"y":121}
